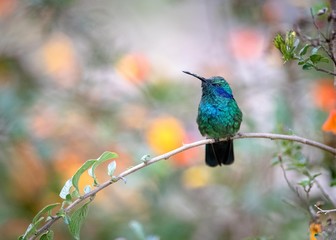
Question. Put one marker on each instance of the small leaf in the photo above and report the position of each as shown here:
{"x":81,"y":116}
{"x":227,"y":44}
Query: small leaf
{"x":302,"y":62}
{"x":307,"y":66}
{"x":49,"y":235}
{"x":333,"y":183}
{"x":278,"y":41}
{"x":90,"y":172}
{"x":74,"y":194}
{"x":103,"y":158}
{"x":305,"y":182}
{"x":87,"y":189}
{"x":29,"y":230}
{"x":63,"y":215}
{"x":111,"y":168}
{"x":66,"y":219}
{"x":66,"y":189}
{"x":304,"y":50}
{"x":324,"y":59}
{"x":47,"y":208}
{"x":76,"y":220}
{"x":315,"y":176}
{"x":80,"y":171}
{"x":315,"y":58}
{"x":145,"y":158}
{"x":315,"y":50}
{"x":68,"y":198}
{"x":296,"y":43}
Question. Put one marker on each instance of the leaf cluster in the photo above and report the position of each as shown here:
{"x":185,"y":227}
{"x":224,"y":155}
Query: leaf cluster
{"x":70,"y":193}
{"x":307,"y":55}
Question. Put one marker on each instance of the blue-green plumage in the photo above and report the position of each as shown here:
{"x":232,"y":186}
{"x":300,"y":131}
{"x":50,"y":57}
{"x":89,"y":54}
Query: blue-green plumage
{"x":218,"y":116}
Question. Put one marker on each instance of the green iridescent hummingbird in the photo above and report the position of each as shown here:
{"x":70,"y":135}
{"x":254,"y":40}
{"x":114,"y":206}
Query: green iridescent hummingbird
{"x":218,"y":117}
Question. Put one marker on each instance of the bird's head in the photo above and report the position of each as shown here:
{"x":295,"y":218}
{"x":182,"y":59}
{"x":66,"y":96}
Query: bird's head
{"x":215,"y":85}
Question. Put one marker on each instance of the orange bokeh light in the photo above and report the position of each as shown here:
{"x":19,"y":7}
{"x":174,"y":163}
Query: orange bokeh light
{"x":133,"y":67}
{"x":330,"y":124}
{"x":325,"y":94}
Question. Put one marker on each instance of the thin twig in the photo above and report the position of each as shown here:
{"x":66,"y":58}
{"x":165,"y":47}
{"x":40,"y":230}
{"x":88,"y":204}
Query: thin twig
{"x":316,"y":26}
{"x":295,"y":190}
{"x":330,"y":53}
{"x":294,"y":138}
{"x":324,"y":193}
{"x":167,"y":155}
{"x":320,"y":210}
{"x":324,"y":70}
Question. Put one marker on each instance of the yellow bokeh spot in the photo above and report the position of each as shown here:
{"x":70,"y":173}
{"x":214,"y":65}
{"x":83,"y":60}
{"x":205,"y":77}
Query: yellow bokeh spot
{"x":197,"y":176}
{"x":60,"y":60}
{"x":165,"y":134}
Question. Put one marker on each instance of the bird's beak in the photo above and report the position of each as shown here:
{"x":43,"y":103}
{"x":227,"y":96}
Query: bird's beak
{"x":196,"y":76}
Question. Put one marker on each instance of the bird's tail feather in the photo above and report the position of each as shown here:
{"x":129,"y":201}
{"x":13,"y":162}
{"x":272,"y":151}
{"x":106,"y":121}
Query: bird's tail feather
{"x":219,"y":153}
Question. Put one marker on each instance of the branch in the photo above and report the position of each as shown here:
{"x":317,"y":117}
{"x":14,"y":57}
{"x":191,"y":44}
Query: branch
{"x":167,"y":155}
{"x":320,"y":210}
{"x":324,"y":70}
{"x":291,"y":187}
{"x":294,"y":138}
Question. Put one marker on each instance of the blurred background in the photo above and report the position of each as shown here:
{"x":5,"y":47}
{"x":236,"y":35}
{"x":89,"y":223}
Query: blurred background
{"x":78,"y":78}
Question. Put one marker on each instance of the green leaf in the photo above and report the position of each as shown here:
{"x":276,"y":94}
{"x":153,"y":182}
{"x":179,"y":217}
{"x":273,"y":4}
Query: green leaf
{"x":315,"y":176}
{"x":106,"y":156}
{"x":68,"y":198}
{"x":315,"y":58}
{"x":66,"y":189}
{"x":76,"y":220}
{"x":304,"y":50}
{"x":46,"y":209}
{"x":31,"y":228}
{"x":307,"y":66}
{"x":66,"y":219}
{"x":324,"y":59}
{"x":111,"y":168}
{"x":278,"y":41}
{"x":63,"y":215}
{"x":333,"y":183}
{"x":305,"y":182}
{"x":49,"y":235}
{"x":80,"y":171}
{"x":103,"y":158}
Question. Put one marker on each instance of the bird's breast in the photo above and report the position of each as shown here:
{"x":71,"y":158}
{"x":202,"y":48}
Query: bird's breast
{"x":218,"y":120}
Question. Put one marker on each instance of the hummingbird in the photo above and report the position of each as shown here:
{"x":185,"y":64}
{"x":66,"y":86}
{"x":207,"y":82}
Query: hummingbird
{"x":218,"y":117}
